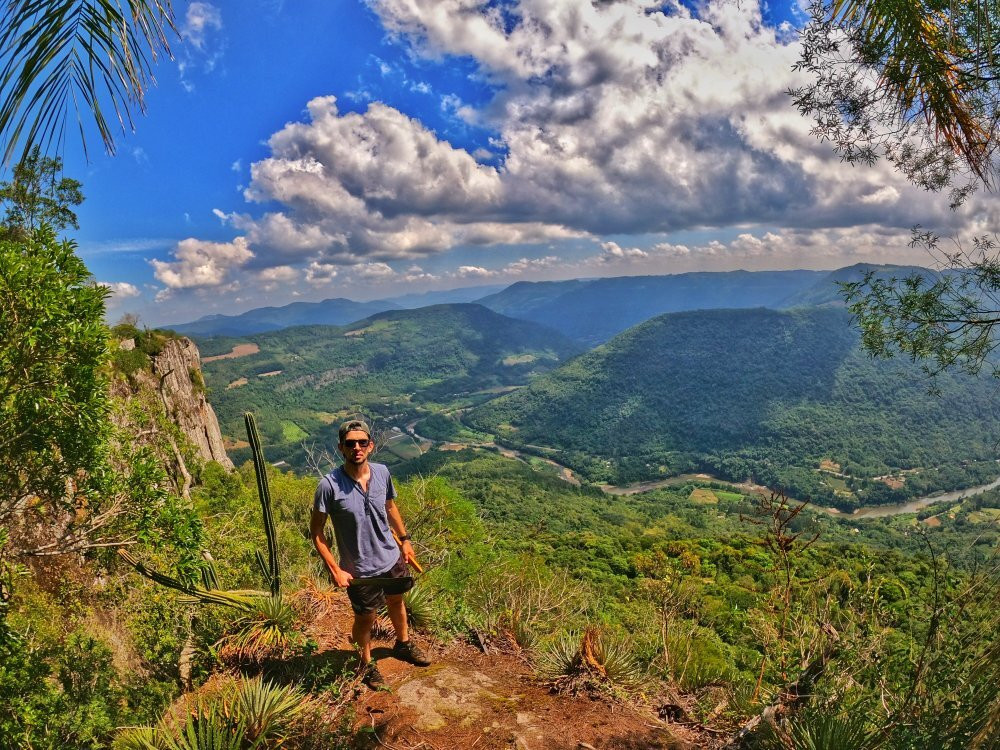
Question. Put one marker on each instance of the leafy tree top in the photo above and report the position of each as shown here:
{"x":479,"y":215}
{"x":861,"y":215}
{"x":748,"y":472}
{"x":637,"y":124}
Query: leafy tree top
{"x":39,"y":194}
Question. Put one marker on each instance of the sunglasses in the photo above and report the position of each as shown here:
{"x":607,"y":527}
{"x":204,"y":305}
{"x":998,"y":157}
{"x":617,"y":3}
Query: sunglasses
{"x":362,"y":443}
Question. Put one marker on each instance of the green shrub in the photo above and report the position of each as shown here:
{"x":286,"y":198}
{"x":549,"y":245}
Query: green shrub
{"x":268,"y":629}
{"x":242,"y":715}
{"x":524,"y":599}
{"x":130,"y":361}
{"x":59,"y":695}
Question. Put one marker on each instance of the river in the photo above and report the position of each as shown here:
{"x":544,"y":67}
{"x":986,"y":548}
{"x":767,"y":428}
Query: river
{"x":867,"y":511}
{"x":912,"y":506}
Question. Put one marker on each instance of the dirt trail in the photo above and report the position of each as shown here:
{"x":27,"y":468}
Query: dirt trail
{"x":468,"y":699}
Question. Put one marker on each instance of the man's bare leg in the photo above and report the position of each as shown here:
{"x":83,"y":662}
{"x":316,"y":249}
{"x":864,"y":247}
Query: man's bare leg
{"x":361,"y":635}
{"x":397,"y":613}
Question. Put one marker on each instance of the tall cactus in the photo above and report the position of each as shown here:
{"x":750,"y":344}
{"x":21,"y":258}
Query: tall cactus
{"x":271,"y":572}
{"x":209,"y":592}
{"x":242,"y":599}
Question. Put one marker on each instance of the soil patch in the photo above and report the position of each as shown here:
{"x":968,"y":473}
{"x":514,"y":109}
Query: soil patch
{"x":490,"y":701}
{"x":237,"y":383}
{"x":240,"y":350}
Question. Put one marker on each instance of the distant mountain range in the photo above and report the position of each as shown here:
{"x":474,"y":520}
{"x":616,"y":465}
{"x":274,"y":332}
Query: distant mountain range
{"x":329,"y":312}
{"x":593,"y":310}
{"x":590,"y":311}
{"x":262,"y":319}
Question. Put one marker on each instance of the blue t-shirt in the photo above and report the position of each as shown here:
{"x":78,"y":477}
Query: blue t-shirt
{"x":360,"y":522}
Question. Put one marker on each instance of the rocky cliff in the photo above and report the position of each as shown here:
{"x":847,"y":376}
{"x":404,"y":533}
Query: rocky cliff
{"x":177,"y":369}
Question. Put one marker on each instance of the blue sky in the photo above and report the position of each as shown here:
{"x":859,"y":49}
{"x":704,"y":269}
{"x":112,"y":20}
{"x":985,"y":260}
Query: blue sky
{"x":306,"y":150}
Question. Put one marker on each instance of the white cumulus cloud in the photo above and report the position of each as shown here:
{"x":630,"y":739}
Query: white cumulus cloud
{"x":199,"y":263}
{"x":120,"y":290}
{"x":634,"y":118}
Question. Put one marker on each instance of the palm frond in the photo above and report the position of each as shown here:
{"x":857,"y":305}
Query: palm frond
{"x":922,"y":61}
{"x":76,"y":55}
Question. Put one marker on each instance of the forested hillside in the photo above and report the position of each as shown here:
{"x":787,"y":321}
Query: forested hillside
{"x":400,"y":364}
{"x":828,"y":290}
{"x":757,"y":394}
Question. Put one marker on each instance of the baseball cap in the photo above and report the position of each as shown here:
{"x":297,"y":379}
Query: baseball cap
{"x":353,"y":425}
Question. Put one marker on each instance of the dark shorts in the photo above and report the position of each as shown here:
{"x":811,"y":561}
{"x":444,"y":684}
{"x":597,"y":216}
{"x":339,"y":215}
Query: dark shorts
{"x":371,"y":598}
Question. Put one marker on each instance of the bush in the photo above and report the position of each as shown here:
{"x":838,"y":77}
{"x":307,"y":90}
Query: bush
{"x":593,"y":660}
{"x":130,"y":361}
{"x":238,"y":714}
{"x":523,"y":599}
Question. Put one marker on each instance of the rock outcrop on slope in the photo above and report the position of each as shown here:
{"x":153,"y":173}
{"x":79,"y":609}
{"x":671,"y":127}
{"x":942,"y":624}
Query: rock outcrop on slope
{"x":177,"y":369}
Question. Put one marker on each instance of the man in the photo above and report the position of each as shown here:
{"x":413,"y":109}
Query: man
{"x":359,"y":497}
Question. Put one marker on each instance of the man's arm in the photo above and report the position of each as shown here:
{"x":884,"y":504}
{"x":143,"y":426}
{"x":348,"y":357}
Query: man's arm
{"x":317,"y":523}
{"x":396,"y":522}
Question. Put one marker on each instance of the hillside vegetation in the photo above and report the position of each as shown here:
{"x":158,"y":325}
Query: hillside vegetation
{"x":757,"y":394}
{"x":395,"y":366}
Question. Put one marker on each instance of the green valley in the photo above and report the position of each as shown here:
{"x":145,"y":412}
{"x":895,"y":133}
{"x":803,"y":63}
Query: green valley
{"x":395,"y":367}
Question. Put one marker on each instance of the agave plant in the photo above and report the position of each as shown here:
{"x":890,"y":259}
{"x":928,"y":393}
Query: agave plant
{"x":419,"y":607}
{"x":267,"y":709}
{"x":558,"y":658}
{"x":248,"y":715}
{"x":818,"y":730}
{"x":266,"y":630}
{"x":594,"y":659}
{"x":828,"y":731}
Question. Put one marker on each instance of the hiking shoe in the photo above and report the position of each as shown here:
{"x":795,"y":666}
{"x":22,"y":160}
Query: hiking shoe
{"x":411,"y":652}
{"x":372,"y":677}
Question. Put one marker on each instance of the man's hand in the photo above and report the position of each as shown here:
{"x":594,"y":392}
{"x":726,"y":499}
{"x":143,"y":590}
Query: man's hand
{"x":341,"y":578}
{"x":409,"y":556}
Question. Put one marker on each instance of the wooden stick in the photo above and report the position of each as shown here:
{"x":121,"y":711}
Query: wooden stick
{"x":413,"y":562}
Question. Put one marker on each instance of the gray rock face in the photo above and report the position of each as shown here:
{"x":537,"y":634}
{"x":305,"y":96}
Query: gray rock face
{"x":178,"y":368}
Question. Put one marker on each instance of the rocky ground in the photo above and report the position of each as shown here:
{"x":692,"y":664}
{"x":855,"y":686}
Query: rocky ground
{"x":491,"y":700}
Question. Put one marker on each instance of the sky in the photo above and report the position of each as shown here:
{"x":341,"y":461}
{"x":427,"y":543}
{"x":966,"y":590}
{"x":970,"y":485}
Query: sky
{"x":370,"y":148}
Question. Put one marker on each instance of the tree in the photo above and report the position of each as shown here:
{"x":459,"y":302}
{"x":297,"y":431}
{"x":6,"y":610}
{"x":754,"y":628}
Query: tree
{"x":53,"y":390}
{"x":39,"y":194}
{"x":88,"y":56}
{"x":943,"y":320}
{"x":914,"y":81}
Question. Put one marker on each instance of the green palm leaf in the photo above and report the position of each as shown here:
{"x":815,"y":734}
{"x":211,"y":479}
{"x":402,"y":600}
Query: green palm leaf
{"x":79,"y":55}
{"x":930,"y":58}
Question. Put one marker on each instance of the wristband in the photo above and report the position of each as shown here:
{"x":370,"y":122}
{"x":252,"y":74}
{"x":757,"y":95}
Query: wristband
{"x":405,"y":538}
